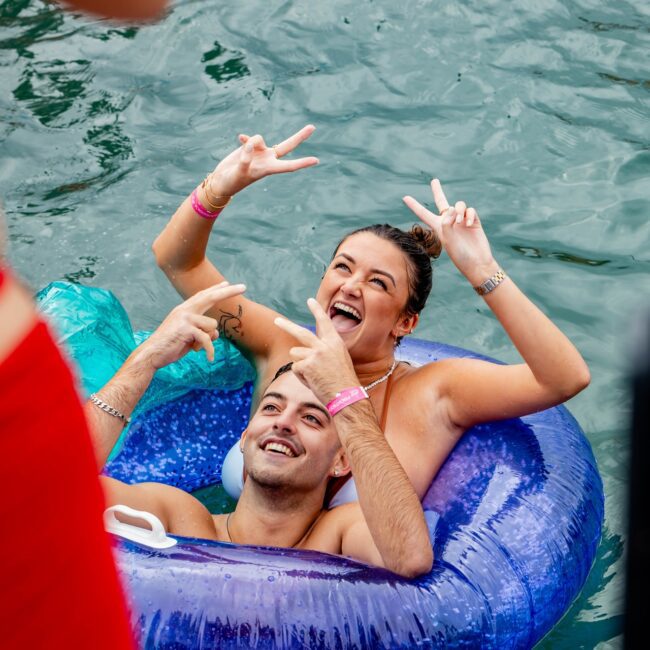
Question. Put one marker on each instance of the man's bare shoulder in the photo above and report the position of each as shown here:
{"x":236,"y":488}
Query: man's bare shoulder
{"x":180,"y":512}
{"x":327,"y":535}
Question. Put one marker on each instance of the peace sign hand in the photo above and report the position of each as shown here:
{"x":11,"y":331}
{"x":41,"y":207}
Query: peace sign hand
{"x":187,"y":328}
{"x":255,"y":160}
{"x":461,"y":233}
{"x":322,"y":361}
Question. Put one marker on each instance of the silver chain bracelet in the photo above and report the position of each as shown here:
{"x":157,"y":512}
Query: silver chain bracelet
{"x":109,"y":409}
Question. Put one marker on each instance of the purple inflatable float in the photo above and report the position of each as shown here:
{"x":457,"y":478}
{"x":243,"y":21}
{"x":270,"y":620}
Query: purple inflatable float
{"x":515,"y":512}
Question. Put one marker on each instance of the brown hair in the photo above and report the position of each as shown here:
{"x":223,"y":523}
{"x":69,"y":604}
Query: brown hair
{"x":419,"y":245}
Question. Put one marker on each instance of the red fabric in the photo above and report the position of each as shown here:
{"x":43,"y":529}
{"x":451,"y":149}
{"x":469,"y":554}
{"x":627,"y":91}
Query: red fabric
{"x":60,"y":588}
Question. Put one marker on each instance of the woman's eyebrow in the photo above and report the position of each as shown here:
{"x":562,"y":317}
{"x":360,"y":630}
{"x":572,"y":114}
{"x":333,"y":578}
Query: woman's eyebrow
{"x":377,"y":271}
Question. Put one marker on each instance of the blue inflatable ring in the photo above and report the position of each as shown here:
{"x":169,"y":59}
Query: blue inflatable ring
{"x":519,"y":505}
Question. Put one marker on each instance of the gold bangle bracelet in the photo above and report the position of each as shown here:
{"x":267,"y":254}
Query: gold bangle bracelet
{"x":205,"y":186}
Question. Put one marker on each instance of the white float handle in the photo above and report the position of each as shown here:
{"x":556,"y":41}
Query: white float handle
{"x":155,"y":538}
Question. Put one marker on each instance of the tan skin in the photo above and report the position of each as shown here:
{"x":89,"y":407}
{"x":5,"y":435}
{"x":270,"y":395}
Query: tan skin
{"x":430,"y":406}
{"x":282,"y":501}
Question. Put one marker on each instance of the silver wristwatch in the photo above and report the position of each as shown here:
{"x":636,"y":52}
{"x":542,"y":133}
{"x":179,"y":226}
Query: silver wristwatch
{"x":491,"y":283}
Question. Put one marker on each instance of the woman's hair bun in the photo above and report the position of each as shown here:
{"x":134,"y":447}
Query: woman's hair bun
{"x":428,"y":239}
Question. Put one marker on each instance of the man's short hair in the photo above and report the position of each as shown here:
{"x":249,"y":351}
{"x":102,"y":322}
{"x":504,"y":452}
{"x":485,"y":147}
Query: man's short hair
{"x":282,"y":369}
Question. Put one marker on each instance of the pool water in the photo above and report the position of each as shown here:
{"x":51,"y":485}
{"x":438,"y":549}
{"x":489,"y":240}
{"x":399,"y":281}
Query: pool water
{"x":536,"y":113}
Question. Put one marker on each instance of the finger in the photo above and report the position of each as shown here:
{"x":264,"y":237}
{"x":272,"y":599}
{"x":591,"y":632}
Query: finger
{"x":243,"y":138}
{"x":207,"y":324}
{"x":284,"y":166}
{"x":301,"y":334}
{"x":460,"y":211}
{"x":298,"y":369}
{"x":204,"y":342}
{"x":439,"y":196}
{"x":432,"y":220}
{"x":298,"y":353}
{"x":207,"y":298}
{"x":257,"y":142}
{"x":472,"y":217}
{"x":288,"y":145}
{"x":449,"y":217}
{"x":324,"y":325}
{"x":246,"y":154}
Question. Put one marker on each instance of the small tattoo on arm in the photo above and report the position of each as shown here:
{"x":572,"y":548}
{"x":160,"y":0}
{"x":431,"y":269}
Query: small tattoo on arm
{"x":229,"y":324}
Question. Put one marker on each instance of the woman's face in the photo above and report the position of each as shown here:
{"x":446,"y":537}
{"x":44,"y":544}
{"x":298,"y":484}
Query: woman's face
{"x":364,"y":291}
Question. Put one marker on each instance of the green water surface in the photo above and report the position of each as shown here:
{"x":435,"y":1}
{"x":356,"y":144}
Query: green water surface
{"x":537,"y":113}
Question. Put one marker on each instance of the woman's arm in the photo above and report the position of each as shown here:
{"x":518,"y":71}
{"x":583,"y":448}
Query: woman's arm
{"x":180,"y":248}
{"x":477,"y":391}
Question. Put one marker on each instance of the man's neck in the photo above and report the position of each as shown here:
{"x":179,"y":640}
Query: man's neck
{"x":269,"y":517}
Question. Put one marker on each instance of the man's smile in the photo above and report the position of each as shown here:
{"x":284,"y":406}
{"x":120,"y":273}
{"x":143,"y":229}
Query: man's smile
{"x":279,"y":446}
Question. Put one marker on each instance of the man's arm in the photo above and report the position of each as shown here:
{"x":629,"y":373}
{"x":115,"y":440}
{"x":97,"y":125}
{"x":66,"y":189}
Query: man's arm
{"x":186,"y":328}
{"x":391,"y":508}
{"x":179,"y":512}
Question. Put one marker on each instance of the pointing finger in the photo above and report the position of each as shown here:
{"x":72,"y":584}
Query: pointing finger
{"x":202,"y":301}
{"x":301,"y":334}
{"x":439,"y":196}
{"x":324,"y":325}
{"x":284,"y":166}
{"x":288,"y":145}
{"x":432,"y":220}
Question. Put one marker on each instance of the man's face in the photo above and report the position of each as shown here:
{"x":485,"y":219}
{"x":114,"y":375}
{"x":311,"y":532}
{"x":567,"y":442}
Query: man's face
{"x":291,"y":440}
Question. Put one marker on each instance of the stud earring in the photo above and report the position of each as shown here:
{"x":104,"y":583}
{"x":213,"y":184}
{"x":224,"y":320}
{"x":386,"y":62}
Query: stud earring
{"x":336,"y":472}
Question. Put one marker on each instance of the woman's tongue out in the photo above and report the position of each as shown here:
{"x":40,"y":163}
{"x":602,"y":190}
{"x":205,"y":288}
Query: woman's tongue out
{"x":344,"y":318}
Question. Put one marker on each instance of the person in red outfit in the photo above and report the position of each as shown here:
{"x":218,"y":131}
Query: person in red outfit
{"x":60,"y":587}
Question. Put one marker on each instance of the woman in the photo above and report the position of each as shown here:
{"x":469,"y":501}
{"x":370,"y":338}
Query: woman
{"x":373,"y":290}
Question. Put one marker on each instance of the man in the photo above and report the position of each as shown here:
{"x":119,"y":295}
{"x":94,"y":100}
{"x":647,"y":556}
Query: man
{"x":292,"y":447}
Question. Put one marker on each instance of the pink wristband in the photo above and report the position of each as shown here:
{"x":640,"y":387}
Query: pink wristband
{"x":200,"y":210}
{"x":346,"y":398}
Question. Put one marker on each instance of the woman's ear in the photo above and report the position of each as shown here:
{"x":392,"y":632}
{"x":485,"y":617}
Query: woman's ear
{"x":405,"y":325}
{"x":242,"y":439}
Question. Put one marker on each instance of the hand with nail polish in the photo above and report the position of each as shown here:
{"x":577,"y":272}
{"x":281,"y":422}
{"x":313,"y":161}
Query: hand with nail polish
{"x":461,"y":233}
{"x":254,"y":160}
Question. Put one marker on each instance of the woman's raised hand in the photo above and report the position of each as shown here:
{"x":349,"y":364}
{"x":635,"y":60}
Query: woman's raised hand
{"x":460,"y":232}
{"x":254,"y":160}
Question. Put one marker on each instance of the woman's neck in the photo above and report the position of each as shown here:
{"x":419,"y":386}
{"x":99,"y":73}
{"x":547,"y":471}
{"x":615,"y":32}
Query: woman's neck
{"x":371,"y":370}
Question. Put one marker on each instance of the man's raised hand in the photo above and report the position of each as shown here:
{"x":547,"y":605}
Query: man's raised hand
{"x":321,"y":361}
{"x":187,"y":328}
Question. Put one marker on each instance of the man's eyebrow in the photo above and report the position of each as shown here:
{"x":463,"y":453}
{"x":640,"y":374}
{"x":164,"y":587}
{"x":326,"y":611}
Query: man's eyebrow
{"x":377,"y":271}
{"x":318,"y":407}
{"x":279,"y":396}
{"x":310,"y":405}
